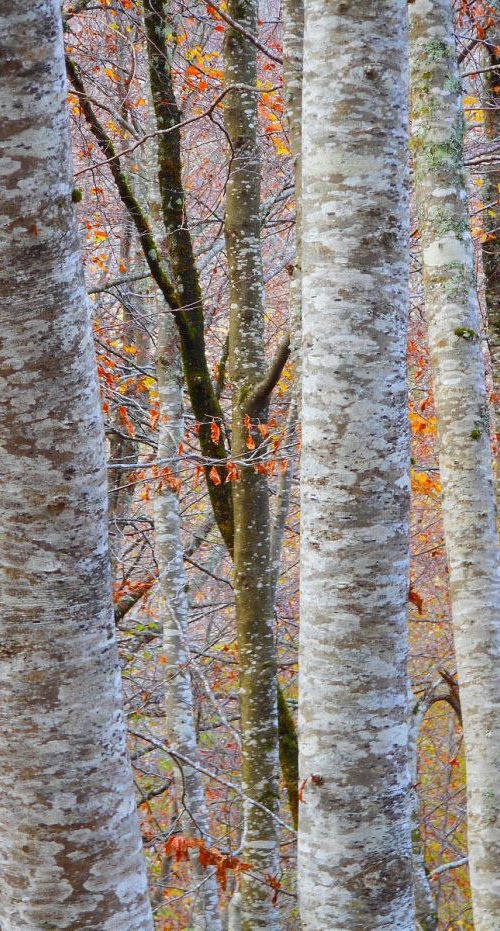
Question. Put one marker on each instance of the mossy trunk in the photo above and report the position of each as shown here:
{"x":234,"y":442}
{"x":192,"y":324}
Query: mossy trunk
{"x":460,"y":395}
{"x":252,"y":557}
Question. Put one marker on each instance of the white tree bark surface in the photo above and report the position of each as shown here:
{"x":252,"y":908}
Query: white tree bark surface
{"x":174,"y":602}
{"x":460,"y":396}
{"x":70,"y":846}
{"x":354,"y":833}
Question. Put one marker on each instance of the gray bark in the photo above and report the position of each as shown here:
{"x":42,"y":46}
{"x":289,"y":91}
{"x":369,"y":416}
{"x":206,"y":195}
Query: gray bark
{"x":70,"y":846}
{"x":469,"y":515}
{"x":354,"y":832}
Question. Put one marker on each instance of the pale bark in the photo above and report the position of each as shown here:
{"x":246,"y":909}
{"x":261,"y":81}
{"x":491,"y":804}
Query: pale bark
{"x":252,"y":562}
{"x":70,"y":847}
{"x":174,"y":612}
{"x":234,"y":912}
{"x":354,"y":832}
{"x":173,"y":582}
{"x":463,"y":426}
{"x":425,"y":905}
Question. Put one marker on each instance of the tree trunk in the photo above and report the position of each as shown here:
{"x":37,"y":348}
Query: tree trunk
{"x":354,"y":833}
{"x":463,"y":426}
{"x":252,"y":557}
{"x":425,"y":905}
{"x":293,"y":48}
{"x":174,"y":612}
{"x":491,"y":198}
{"x":70,"y":847}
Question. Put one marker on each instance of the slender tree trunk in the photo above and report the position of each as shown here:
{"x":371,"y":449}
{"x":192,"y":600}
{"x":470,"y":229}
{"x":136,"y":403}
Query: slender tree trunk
{"x":173,"y":581}
{"x":354,"y":831}
{"x":425,"y":905}
{"x":158,"y":16}
{"x":252,"y":558}
{"x":293,"y":47}
{"x":70,"y":847}
{"x":173,"y":590}
{"x":463,"y":426}
{"x":491,"y":198}
{"x":293,"y":36}
{"x":183,"y":295}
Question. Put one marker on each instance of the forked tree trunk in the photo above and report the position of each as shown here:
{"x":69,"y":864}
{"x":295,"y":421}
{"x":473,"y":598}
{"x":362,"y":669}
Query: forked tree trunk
{"x":463,"y":426}
{"x":70,"y":847}
{"x":354,"y":833}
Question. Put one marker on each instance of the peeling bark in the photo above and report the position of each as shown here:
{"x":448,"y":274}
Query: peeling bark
{"x":70,"y":846}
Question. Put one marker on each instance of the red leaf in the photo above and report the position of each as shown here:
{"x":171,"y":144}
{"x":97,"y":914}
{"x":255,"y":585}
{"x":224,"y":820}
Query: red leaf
{"x":416,"y":599}
{"x":215,"y":432}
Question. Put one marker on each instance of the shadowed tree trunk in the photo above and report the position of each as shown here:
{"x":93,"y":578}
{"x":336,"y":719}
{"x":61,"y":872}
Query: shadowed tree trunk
{"x":354,"y":831}
{"x":70,"y":847}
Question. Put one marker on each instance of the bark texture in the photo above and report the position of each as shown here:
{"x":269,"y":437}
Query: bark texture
{"x":425,"y":904}
{"x":354,"y":832}
{"x":70,"y":847}
{"x":463,"y":427}
{"x":252,"y":557}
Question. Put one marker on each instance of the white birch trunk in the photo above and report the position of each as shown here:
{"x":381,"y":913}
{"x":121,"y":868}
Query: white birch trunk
{"x":354,"y":832}
{"x":174,"y":611}
{"x":70,"y":847}
{"x":463,"y":425}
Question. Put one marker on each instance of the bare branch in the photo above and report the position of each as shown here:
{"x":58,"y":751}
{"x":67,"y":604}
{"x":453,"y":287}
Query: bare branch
{"x":244,"y":32}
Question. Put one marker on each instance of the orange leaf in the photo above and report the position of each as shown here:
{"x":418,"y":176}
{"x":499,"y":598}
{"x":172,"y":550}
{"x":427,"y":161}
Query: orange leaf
{"x":215,"y":432}
{"x":197,"y":473}
{"x":178,"y":847}
{"x":214,"y":475}
{"x":111,"y":73}
{"x":233,"y":473}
